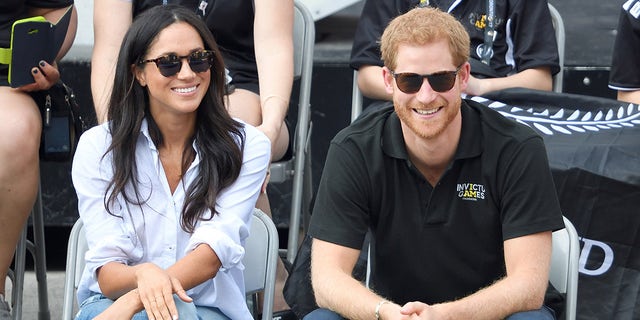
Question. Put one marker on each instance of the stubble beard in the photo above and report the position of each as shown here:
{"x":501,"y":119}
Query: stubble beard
{"x":429,"y":128}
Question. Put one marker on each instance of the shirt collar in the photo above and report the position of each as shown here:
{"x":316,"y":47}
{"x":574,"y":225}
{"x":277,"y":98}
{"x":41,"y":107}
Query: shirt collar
{"x":392,"y":139}
{"x":144,"y":130}
{"x":471,"y":141}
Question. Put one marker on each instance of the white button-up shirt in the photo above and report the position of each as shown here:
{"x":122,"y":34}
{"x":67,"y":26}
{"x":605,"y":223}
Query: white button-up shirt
{"x":151,"y":232}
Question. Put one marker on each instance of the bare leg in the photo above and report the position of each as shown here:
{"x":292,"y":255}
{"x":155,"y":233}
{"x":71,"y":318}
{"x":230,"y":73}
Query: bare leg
{"x":20,"y":127}
{"x":245,"y":105}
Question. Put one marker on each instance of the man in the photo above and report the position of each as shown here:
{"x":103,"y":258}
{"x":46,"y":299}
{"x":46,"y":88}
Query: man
{"x":459,"y":200}
{"x":625,"y":65}
{"x":517,"y":55}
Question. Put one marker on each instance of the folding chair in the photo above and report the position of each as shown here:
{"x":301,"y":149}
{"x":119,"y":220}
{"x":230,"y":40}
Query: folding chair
{"x":75,"y":265}
{"x":260,"y":264}
{"x":298,"y":168}
{"x":259,"y":260}
{"x":356,"y":98}
{"x":37,"y":251}
{"x":563,"y":274}
{"x":558,"y":26}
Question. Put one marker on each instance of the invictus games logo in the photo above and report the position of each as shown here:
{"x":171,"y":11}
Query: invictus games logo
{"x":479,"y":21}
{"x":470,"y":191}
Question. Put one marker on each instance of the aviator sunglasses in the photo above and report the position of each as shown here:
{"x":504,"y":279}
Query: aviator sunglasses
{"x":442,"y":81}
{"x":169,"y":65}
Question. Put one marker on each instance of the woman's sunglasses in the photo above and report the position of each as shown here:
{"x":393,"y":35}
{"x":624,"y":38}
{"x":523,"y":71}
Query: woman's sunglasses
{"x":442,"y":81}
{"x":169,"y":65}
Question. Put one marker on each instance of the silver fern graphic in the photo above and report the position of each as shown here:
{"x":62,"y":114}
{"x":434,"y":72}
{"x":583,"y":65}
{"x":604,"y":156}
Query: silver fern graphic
{"x":576,"y":121}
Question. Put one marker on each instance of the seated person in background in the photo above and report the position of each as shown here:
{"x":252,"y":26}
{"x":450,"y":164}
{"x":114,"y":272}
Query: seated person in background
{"x":20,"y":130}
{"x":523,"y":51}
{"x":167,"y":186}
{"x":460,"y":200}
{"x":625,"y":65}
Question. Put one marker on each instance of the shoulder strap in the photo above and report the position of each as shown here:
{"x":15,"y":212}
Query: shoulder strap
{"x":489,"y":32}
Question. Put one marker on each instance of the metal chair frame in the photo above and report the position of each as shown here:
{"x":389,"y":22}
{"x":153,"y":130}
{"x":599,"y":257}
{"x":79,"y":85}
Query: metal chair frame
{"x":564,"y":271}
{"x":298,"y":168}
{"x":558,"y":26}
{"x":37,"y":250}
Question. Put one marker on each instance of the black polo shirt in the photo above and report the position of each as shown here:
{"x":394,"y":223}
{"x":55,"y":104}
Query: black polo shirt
{"x":625,"y":65}
{"x":435,"y":244}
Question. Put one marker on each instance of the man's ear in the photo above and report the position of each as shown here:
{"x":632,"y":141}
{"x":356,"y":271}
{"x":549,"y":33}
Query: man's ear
{"x":137,"y":72}
{"x":464,"y":74}
{"x":388,"y":80}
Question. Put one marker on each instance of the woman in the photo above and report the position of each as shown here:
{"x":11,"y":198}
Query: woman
{"x":167,"y":186}
{"x":20,"y":129}
{"x":255,"y":38}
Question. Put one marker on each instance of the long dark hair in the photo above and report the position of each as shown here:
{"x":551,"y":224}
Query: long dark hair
{"x":218,"y":138}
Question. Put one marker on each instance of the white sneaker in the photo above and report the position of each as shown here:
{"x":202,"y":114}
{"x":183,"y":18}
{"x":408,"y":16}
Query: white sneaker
{"x":4,"y":310}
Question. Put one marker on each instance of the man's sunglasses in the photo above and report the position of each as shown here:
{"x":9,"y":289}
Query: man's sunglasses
{"x":442,"y":81}
{"x":169,"y":65}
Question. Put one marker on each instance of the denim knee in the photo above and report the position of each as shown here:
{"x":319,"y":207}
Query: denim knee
{"x":96,"y":304}
{"x":210,"y":313}
{"x":186,"y":310}
{"x":544,"y":313}
{"x":322,"y":314}
{"x":93,"y":306}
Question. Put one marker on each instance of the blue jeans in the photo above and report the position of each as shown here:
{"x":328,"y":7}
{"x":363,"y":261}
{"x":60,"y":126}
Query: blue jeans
{"x":543,"y":313}
{"x":97,"y":303}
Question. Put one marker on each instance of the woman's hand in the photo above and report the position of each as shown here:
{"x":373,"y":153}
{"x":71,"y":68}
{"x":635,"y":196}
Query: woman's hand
{"x":476,"y":86}
{"x":45,"y":76}
{"x":123,"y":308}
{"x":156,"y":288}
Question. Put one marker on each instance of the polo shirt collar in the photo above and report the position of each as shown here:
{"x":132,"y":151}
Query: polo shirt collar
{"x":392,"y":139}
{"x":471,"y":140}
{"x":470,"y":144}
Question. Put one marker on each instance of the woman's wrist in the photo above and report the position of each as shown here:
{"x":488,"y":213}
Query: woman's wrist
{"x":274,"y":108}
{"x":131,"y":301}
{"x":274,"y":98}
{"x":124,"y":307}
